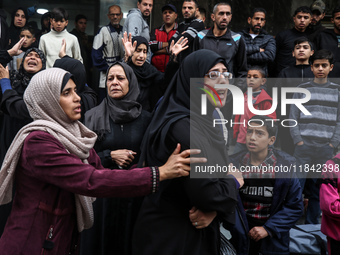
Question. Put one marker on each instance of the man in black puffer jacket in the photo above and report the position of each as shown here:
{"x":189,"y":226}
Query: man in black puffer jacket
{"x":260,"y":46}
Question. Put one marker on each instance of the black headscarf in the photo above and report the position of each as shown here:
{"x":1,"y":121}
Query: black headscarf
{"x":176,"y":105}
{"x":14,"y":31}
{"x":22,"y":78}
{"x":77,"y":69}
{"x":119,"y":111}
{"x":146,"y":72}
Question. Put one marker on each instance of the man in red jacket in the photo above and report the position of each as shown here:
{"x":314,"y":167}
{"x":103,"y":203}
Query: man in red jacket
{"x":159,"y":37}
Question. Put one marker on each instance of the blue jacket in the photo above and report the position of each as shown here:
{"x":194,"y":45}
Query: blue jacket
{"x":286,"y":209}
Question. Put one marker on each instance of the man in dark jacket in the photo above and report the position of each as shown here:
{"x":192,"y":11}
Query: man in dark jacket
{"x":285,"y":39}
{"x":260,"y":46}
{"x":189,"y":27}
{"x":292,"y":76}
{"x":223,"y":41}
{"x":328,"y":39}
{"x":270,"y":199}
{"x":318,"y":9}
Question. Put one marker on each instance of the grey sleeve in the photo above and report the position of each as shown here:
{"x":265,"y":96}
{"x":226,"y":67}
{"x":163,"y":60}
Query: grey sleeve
{"x":336,"y":136}
{"x":294,"y":114}
{"x":133,"y":24}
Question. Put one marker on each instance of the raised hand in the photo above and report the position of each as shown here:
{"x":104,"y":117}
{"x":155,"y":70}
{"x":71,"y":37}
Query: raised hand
{"x":16,"y":49}
{"x":4,"y":72}
{"x":128,"y":46}
{"x":179,"y":46}
{"x":62,"y":52}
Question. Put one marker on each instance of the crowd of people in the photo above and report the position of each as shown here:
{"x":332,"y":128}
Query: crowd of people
{"x":104,"y":169}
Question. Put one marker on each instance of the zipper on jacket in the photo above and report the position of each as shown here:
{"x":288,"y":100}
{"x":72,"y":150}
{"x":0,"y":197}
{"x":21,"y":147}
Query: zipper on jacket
{"x":122,"y":128}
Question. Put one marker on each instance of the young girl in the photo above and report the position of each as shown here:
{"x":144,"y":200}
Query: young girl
{"x":57,"y":172}
{"x":330,"y":204}
{"x":256,"y":78}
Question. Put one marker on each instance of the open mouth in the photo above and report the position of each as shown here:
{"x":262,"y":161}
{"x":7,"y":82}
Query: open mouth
{"x":77,"y":109}
{"x":251,"y":145}
{"x":221,"y":93}
{"x":32,"y":63}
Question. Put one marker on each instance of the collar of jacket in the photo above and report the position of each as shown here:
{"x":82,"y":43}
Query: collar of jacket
{"x":227,"y":35}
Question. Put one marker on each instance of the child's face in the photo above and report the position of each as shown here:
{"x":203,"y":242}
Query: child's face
{"x":302,"y":51}
{"x":321,"y":68}
{"x":59,"y":25}
{"x":255,"y":80}
{"x":29,"y":38}
{"x":258,"y":139}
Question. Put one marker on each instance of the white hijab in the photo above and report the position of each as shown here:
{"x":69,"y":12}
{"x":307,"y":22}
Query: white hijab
{"x":42,"y":100}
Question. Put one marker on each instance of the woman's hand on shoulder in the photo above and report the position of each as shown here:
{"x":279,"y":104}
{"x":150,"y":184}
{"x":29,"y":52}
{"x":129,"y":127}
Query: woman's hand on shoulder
{"x":178,"y":164}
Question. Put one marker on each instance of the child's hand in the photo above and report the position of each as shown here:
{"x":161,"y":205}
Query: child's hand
{"x":62,"y":52}
{"x":257,"y":233}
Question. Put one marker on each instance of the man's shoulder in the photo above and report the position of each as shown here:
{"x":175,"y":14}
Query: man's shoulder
{"x":135,"y":12}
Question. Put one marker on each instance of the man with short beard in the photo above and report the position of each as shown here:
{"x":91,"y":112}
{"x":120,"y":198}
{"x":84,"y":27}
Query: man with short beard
{"x":318,"y":13}
{"x":260,"y":46}
{"x":136,"y":23}
{"x":189,"y":27}
{"x":225,"y":42}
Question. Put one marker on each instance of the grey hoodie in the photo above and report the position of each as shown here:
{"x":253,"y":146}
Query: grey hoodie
{"x":136,"y":25}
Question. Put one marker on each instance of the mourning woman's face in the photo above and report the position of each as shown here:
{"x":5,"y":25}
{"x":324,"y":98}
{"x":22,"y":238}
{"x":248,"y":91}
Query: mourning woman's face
{"x":32,"y":62}
{"x":117,"y":83}
{"x":139,"y":56}
{"x":214,"y":76}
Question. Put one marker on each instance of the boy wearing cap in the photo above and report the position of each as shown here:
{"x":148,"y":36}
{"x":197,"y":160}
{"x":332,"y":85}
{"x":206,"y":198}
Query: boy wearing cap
{"x":159,"y":37}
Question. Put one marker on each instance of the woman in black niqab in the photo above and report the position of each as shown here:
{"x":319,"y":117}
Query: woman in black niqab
{"x":164,"y":218}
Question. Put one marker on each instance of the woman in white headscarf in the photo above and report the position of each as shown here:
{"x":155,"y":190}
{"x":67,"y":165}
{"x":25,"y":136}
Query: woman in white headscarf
{"x":56,"y":169}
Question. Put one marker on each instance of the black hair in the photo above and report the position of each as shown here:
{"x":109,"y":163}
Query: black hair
{"x":323,"y":54}
{"x":58,"y":14}
{"x":223,"y":3}
{"x":258,"y":9}
{"x":260,"y":69}
{"x":336,"y":10}
{"x":271,"y":126}
{"x":303,"y":39}
{"x":202,"y":11}
{"x":29,"y":29}
{"x":15,"y":11}
{"x":196,"y":4}
{"x":304,"y":9}
{"x":80,"y":16}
